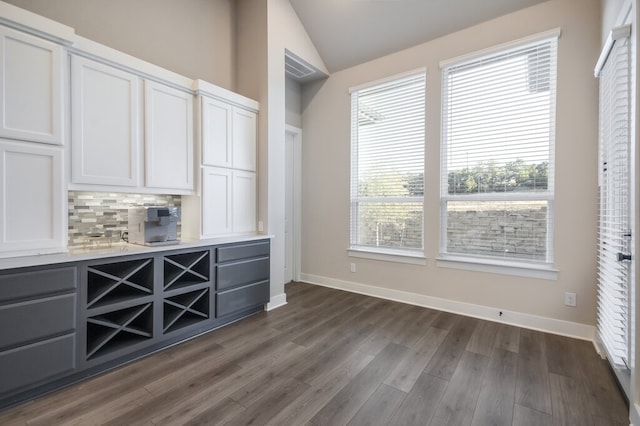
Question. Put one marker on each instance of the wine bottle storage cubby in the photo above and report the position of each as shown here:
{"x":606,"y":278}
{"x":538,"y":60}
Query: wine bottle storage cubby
{"x":186,"y":309}
{"x":117,"y":282}
{"x":116,"y":330}
{"x":183,"y":270}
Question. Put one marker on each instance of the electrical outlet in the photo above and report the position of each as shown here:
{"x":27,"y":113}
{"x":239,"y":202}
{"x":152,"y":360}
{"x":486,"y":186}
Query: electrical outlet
{"x":260,"y":226}
{"x":353,"y":267}
{"x":570,"y":299}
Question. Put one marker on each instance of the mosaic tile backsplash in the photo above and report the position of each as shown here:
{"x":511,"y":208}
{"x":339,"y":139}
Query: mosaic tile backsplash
{"x":97,"y":212}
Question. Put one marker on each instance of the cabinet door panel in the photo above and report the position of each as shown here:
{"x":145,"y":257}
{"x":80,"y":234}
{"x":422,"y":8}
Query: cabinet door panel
{"x":105,"y":137}
{"x":23,"y":285}
{"x":244,"y":139}
{"x":27,"y":365}
{"x":169,"y":137}
{"x":243,"y":251}
{"x":36,"y":319}
{"x":216,"y":133}
{"x":31,"y":197}
{"x":240,"y":299}
{"x":30,"y":88}
{"x":244,"y":201}
{"x":240,"y":273}
{"x":216,"y":201}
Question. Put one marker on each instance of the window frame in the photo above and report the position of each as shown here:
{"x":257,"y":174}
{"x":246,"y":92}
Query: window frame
{"x":384,"y":253}
{"x":477,"y":262}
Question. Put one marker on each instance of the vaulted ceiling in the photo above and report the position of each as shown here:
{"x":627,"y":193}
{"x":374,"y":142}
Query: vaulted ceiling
{"x":350,"y":32}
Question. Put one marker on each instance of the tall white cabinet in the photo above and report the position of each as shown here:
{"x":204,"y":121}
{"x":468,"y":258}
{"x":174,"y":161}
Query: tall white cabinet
{"x":32,"y":138}
{"x":105,"y":107}
{"x":168,"y":137}
{"x":31,"y":76}
{"x":226,"y":200}
{"x":32,"y":197}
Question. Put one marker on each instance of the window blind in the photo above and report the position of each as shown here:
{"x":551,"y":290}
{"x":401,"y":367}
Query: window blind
{"x":614,"y":182}
{"x":497,"y":163}
{"x":387,"y":164}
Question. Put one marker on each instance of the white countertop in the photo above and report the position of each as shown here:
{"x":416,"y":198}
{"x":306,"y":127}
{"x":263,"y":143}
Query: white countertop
{"x":76,"y":254}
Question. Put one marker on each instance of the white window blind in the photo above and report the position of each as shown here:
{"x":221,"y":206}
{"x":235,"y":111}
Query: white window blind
{"x":497,"y":163}
{"x":387,"y":164}
{"x":614,"y":225}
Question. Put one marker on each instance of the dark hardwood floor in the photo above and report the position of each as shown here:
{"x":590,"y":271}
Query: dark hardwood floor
{"x":336,"y":358}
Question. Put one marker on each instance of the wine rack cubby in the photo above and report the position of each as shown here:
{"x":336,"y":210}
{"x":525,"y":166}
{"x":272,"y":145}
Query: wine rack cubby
{"x":117,"y":282}
{"x":119,"y":329}
{"x":186,"y":309}
{"x":186,"y":269}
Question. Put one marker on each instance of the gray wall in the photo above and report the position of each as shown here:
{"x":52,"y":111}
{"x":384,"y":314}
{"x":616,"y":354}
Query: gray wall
{"x":195,"y":38}
{"x":326,"y":165}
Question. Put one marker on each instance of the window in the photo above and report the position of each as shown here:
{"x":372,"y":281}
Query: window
{"x":497,"y":163}
{"x":387,"y":165}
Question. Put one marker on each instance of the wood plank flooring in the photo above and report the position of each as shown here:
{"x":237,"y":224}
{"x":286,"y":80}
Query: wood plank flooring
{"x":336,"y":358}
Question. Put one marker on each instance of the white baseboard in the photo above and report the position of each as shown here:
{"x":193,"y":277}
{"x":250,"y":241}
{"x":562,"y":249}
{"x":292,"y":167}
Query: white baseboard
{"x":276,"y":302}
{"x":533,"y":322}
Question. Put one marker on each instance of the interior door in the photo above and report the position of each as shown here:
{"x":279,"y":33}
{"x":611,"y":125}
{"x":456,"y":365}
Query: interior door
{"x":293,"y":202}
{"x":616,"y":200}
{"x":289,"y":209}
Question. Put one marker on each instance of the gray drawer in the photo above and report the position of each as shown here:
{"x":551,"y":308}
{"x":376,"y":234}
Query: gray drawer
{"x":36,"y":319}
{"x":243,"y":251}
{"x":30,"y":364}
{"x":36,"y":283}
{"x":239,"y":273}
{"x":242,"y":298}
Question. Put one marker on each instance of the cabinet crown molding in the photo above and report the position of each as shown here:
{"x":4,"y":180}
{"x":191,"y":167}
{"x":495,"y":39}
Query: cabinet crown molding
{"x":29,"y":22}
{"x":204,"y":88}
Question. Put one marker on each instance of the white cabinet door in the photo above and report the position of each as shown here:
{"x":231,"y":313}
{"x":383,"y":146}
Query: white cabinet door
{"x":216,"y":121}
{"x":244,"y":201}
{"x":169,"y":137}
{"x":31,"y":198}
{"x":105,"y":106}
{"x":30,"y":88}
{"x":216,"y":202}
{"x":244,"y":139}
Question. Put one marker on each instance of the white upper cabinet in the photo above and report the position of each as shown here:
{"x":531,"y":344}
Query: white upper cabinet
{"x":228,"y":135}
{"x":32,"y":199}
{"x":216,"y":119}
{"x":169,"y":137}
{"x":244,"y":201}
{"x":228,"y":128}
{"x":105,"y":105}
{"x":244,"y":139}
{"x":31,"y":80}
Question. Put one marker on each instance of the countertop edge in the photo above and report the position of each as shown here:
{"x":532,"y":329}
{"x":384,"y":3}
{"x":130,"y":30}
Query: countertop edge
{"x":120,"y":249}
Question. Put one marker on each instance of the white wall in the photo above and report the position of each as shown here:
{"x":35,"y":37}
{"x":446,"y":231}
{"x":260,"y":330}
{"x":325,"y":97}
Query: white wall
{"x":194,"y":38}
{"x":610,"y":11}
{"x":263,"y":78}
{"x":326,"y":157}
{"x":293,"y":103}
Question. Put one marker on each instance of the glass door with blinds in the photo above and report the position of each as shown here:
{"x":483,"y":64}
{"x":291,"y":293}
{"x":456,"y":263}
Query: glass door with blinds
{"x":616,"y":199}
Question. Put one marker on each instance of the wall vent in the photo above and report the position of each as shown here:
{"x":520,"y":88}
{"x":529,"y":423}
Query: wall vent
{"x":298,"y":69}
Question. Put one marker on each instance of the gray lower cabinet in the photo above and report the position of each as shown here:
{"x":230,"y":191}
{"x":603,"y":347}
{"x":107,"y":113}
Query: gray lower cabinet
{"x":62,"y":324}
{"x":38,"y":340}
{"x":243,"y":277}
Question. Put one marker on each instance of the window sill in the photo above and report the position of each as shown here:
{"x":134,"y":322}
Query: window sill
{"x":398,"y":256}
{"x":520,"y":269}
